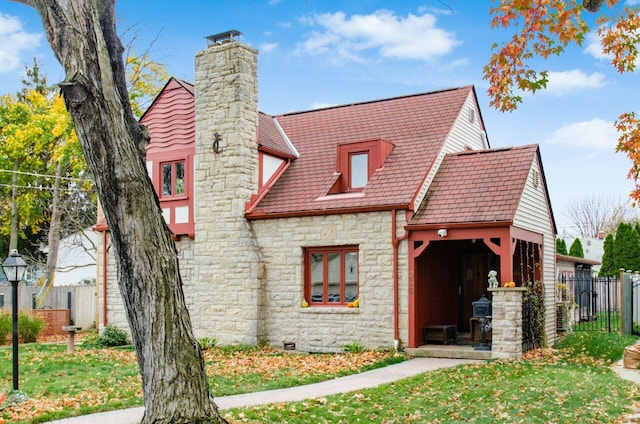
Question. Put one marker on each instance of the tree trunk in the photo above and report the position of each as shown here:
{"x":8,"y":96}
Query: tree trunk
{"x":83,"y":36}
{"x":53,"y":238}
{"x":13,"y":236}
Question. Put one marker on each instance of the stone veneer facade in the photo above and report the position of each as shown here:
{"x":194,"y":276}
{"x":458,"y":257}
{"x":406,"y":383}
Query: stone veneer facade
{"x":506,"y":323}
{"x":228,"y":272}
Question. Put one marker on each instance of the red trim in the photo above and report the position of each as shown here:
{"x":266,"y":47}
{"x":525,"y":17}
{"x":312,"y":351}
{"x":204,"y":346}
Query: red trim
{"x":320,"y":212}
{"x":273,"y":152}
{"x":175,"y":201}
{"x":325,"y":250}
{"x":251,"y":206}
{"x":104,"y":278}
{"x":377,"y":151}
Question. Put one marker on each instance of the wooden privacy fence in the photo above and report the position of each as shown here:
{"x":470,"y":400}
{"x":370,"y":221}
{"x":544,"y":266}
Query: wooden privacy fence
{"x":56,"y":311}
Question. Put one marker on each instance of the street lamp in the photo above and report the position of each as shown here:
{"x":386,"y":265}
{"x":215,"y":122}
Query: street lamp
{"x":14,"y":268}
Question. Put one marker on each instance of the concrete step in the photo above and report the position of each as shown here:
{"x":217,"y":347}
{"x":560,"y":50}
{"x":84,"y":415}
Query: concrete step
{"x":447,"y":351}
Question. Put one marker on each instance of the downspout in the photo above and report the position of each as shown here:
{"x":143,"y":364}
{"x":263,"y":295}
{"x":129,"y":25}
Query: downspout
{"x":395,"y":241}
{"x":104,"y":279}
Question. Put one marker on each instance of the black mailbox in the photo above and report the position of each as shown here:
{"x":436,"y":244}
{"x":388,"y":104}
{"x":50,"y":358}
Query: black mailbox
{"x":482,"y":307}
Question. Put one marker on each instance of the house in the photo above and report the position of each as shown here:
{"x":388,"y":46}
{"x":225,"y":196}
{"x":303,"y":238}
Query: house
{"x":76,"y":259}
{"x":283,"y":221}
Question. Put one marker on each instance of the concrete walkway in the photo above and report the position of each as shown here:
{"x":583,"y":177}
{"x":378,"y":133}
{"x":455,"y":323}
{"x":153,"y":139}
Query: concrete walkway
{"x":346,"y":384}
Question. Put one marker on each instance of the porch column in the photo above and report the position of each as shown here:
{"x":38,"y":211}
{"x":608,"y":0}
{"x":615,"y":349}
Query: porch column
{"x":506,"y":322}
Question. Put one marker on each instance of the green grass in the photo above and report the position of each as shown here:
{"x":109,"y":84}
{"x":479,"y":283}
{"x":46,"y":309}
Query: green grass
{"x":603,"y":322}
{"x":574,"y":384}
{"x":91,"y":380}
{"x":597,"y":345}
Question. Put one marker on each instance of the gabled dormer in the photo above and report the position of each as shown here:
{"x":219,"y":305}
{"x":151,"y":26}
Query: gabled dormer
{"x":356,"y":161}
{"x":170,"y":153}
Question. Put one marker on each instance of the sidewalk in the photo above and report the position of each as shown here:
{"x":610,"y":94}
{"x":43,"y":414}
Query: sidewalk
{"x":346,"y":384}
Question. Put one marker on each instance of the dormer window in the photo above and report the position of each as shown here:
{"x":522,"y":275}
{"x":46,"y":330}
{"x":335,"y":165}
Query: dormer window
{"x":357,"y":161}
{"x":358,"y":170}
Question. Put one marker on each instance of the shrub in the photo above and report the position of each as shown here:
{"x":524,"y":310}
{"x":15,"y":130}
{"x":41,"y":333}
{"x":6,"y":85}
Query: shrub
{"x":5,"y":326}
{"x":29,"y":327}
{"x":112,"y":336}
{"x":354,"y":347}
{"x":206,"y":343}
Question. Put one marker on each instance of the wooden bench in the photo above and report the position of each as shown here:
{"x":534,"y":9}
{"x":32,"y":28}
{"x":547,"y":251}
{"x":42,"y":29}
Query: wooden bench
{"x":440,"y":333}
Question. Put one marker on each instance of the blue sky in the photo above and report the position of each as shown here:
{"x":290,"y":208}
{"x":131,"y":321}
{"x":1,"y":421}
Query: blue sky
{"x":317,"y":53}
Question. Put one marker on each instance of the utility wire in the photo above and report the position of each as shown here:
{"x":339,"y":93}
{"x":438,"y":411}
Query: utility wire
{"x":10,"y":171}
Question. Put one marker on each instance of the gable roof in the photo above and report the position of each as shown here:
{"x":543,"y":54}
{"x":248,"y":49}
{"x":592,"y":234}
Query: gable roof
{"x":477,"y":186}
{"x":171,"y":118}
{"x":418,"y":125}
{"x":271,"y":139}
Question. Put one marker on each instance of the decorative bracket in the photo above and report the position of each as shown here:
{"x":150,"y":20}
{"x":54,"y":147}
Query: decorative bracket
{"x":216,"y":143}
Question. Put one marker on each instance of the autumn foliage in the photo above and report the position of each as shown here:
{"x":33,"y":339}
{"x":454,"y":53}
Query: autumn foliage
{"x":543,"y":28}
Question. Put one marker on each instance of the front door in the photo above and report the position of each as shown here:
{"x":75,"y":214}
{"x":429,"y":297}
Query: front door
{"x":472,"y":283}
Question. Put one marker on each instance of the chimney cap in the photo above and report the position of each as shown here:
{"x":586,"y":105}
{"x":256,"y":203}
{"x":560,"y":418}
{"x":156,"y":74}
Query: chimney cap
{"x":225,"y":37}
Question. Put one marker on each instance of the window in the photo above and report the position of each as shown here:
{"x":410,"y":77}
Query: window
{"x":356,"y":163}
{"x":358,"y":170}
{"x":173,"y":179}
{"x":331,"y":275}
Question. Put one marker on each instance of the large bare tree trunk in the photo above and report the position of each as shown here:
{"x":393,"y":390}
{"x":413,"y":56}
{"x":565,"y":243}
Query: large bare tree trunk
{"x":83,"y":36}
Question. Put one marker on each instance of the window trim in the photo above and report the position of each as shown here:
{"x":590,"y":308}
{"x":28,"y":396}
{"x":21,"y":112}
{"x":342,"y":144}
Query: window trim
{"x":325,"y":250}
{"x":185,"y":174}
{"x":376,"y":149}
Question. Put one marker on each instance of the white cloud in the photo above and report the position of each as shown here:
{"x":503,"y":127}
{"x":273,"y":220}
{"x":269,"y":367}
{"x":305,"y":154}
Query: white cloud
{"x":267,"y":47}
{"x":321,"y":105}
{"x":390,"y":36}
{"x":594,"y":46}
{"x":574,"y":80}
{"x":14,"y":40}
{"x":596,"y":134}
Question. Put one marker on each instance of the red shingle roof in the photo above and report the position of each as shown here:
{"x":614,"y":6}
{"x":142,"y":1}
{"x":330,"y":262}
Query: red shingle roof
{"x":270,"y":137}
{"x":478,"y":186}
{"x":418,"y":125}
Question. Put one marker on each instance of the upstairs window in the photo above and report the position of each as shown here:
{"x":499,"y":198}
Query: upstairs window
{"x":173,"y":179}
{"x":357,"y":161}
{"x":331,"y":275}
{"x":358,"y":170}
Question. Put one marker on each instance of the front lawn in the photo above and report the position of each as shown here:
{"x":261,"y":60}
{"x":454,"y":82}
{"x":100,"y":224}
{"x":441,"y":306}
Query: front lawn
{"x":570,"y":384}
{"x":92,"y":380}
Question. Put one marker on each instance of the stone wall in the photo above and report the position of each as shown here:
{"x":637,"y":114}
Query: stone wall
{"x":330,"y":328}
{"x":228,"y":267}
{"x":506,"y":323}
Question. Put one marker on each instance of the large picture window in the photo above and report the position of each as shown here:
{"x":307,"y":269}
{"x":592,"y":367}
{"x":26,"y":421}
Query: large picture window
{"x":173,"y":179}
{"x":331,"y":275}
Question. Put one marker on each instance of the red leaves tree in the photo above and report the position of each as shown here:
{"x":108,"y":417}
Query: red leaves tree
{"x":546,"y":27}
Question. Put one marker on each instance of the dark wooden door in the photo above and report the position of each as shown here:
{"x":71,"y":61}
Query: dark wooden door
{"x":472,"y":283}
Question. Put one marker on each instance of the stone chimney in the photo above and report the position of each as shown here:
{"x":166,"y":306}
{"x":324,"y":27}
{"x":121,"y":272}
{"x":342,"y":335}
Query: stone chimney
{"x":228,"y":267}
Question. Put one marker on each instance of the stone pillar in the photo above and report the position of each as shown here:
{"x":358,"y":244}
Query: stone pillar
{"x":506,"y":322}
{"x":228,"y":267}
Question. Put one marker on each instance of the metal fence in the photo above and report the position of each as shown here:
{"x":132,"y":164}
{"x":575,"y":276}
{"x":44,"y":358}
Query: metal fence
{"x":585,"y":303}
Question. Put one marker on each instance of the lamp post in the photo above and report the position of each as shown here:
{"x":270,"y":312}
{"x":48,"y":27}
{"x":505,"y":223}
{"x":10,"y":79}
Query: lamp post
{"x":14,"y":268}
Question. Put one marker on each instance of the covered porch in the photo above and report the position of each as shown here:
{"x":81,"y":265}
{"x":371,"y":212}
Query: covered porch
{"x":448,"y":271}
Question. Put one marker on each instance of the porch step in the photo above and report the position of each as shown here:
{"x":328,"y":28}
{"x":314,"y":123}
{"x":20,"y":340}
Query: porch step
{"x":447,"y":351}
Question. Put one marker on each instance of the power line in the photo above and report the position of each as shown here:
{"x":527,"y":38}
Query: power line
{"x":31,"y":174}
{"x":44,"y":188}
